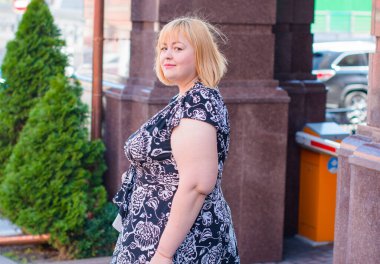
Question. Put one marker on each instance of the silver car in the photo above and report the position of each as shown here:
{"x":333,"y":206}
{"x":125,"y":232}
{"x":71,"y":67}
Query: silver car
{"x":343,"y":67}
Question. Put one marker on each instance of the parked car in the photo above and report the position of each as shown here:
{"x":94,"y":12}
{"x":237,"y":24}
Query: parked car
{"x":343,"y":67}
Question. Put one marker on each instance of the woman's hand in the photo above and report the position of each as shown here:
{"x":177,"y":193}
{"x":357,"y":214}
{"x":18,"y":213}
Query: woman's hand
{"x":160,"y":259}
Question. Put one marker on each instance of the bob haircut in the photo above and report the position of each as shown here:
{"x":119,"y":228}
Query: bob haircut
{"x":210,"y":63}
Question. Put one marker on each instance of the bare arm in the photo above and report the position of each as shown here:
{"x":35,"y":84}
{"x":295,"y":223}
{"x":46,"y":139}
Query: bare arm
{"x":194,"y":147}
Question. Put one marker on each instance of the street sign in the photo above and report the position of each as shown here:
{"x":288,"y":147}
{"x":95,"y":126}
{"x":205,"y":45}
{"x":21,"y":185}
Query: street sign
{"x":19,"y":6}
{"x":332,"y":165}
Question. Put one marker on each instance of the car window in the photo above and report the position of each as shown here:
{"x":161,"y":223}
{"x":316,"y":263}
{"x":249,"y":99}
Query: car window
{"x":354,"y":60}
{"x":323,"y":59}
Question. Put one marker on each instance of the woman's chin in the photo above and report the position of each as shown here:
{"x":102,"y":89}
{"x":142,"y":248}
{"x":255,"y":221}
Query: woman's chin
{"x":172,"y":81}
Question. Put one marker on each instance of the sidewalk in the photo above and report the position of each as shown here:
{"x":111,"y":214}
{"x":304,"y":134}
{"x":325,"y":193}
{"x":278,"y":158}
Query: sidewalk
{"x":8,"y":229}
{"x":295,"y":251}
{"x":298,"y":252}
{"x":4,"y":260}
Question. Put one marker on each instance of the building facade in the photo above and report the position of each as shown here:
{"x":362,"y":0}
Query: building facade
{"x":342,"y":20}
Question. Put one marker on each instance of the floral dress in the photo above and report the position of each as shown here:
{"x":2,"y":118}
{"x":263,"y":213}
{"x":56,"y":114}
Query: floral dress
{"x":148,"y":188}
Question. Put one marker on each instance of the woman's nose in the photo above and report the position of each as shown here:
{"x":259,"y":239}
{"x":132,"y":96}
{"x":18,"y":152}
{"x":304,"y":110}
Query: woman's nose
{"x":168,"y":53}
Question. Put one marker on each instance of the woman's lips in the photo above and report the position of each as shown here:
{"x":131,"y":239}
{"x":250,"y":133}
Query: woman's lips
{"x":169,"y":66}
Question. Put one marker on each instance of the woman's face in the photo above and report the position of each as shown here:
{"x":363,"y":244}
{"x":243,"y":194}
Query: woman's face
{"x":177,"y":60}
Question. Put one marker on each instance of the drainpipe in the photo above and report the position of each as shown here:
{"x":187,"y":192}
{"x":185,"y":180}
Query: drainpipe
{"x":97,"y":71}
{"x":24,"y":240}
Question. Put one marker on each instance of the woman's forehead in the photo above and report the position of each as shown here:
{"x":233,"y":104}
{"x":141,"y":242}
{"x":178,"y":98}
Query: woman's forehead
{"x":172,"y":36}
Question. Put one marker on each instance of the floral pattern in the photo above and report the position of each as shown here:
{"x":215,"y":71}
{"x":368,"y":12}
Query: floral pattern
{"x":149,"y":185}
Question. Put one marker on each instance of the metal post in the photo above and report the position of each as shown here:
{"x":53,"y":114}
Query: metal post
{"x":97,"y":71}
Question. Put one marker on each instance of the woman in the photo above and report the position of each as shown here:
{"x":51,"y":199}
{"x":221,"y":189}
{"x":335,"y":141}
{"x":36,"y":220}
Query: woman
{"x":171,"y":203}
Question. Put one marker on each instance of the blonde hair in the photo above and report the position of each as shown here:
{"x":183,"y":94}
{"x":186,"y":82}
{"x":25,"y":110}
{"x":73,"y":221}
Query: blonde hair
{"x":210,"y":63}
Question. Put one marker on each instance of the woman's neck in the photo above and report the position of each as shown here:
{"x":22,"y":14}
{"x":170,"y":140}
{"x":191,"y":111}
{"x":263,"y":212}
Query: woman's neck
{"x":187,"y":86}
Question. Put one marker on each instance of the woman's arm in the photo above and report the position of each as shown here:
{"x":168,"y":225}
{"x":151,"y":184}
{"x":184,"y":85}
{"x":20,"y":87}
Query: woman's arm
{"x":194,"y":147}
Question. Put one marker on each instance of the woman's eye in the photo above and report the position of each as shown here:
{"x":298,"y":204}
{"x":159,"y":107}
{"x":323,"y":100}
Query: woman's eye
{"x":178,"y":49}
{"x":163,"y":48}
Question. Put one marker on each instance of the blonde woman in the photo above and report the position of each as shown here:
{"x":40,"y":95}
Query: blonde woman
{"x":171,"y":202}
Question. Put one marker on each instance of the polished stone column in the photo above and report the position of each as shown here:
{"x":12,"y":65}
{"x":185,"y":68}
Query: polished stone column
{"x":143,"y":95}
{"x":293,"y":66}
{"x":357,"y":224}
{"x":254,"y":175}
{"x":347,"y":148}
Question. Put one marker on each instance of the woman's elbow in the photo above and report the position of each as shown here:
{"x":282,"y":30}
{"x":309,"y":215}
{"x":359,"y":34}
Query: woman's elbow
{"x":204,"y":190}
{"x":205,"y":187}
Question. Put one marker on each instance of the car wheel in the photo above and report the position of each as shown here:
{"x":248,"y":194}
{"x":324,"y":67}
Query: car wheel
{"x":356,"y":102}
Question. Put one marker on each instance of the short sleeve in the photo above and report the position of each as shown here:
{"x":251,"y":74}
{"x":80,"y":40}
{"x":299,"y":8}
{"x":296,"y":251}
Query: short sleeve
{"x":203,"y":104}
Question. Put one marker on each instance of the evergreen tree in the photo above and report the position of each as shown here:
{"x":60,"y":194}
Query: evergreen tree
{"x":31,"y":59}
{"x":53,"y":180}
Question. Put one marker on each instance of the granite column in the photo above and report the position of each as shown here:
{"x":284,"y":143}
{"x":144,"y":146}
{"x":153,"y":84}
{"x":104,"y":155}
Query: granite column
{"x":293,"y":66}
{"x":357,"y":222}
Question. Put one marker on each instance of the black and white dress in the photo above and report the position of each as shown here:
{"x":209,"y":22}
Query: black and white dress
{"x":147,"y":191}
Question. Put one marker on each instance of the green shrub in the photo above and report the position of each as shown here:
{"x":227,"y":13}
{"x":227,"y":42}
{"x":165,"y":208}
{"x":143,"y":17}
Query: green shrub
{"x":53,"y":180}
{"x":31,"y":59}
{"x":99,"y":237}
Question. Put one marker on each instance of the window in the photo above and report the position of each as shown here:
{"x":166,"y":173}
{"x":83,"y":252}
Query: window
{"x":354,"y":60}
{"x":323,"y":60}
